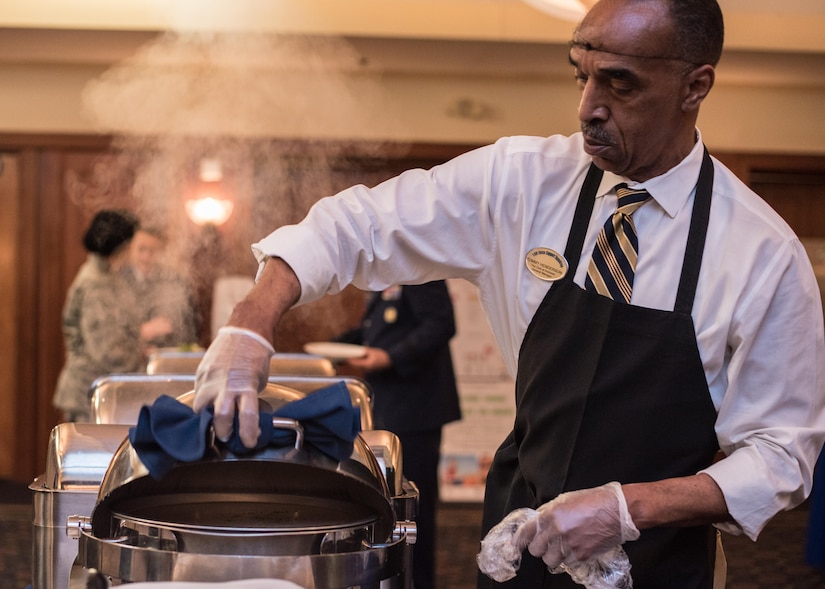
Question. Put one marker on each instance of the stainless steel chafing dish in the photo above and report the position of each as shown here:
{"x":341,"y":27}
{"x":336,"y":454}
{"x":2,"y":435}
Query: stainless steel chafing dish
{"x":290,"y":513}
{"x":77,"y":458}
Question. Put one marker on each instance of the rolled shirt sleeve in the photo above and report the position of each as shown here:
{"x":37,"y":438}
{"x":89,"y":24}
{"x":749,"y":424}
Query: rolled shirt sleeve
{"x":770,"y":421}
{"x":403,"y":231}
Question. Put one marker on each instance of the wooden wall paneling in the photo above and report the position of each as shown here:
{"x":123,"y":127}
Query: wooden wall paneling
{"x":794,"y":185}
{"x":737,"y":163}
{"x":28,"y":436}
{"x":795,"y":188}
{"x":52,"y":249}
{"x":9,"y":276}
{"x":798,"y":197}
{"x":84,"y":182}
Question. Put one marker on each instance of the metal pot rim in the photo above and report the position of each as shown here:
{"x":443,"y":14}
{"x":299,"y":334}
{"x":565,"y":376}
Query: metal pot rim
{"x":285,"y":470}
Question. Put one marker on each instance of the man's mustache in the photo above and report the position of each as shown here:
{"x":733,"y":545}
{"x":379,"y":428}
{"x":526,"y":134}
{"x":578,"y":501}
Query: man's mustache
{"x":598,"y":133}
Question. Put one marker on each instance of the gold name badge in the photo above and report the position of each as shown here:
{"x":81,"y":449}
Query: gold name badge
{"x":546,"y":264}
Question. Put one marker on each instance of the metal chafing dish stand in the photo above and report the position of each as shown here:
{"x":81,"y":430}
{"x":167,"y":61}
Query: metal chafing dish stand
{"x":287,"y":513}
{"x":77,"y":458}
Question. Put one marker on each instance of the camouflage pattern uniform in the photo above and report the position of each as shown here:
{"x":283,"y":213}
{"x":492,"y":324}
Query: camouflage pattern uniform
{"x":101,"y":330}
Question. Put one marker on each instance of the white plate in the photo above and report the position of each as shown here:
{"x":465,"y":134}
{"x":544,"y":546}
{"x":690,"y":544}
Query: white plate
{"x":335,"y":351}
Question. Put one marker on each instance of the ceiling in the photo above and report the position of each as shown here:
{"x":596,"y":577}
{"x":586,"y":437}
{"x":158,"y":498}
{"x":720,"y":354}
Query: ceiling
{"x":767,"y":41}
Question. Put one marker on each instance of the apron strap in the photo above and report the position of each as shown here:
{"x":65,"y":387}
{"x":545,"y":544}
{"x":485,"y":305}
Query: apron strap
{"x":581,"y":218}
{"x":696,"y":238}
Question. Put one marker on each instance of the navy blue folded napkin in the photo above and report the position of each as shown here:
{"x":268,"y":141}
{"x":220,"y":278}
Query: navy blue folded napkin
{"x":169,"y":431}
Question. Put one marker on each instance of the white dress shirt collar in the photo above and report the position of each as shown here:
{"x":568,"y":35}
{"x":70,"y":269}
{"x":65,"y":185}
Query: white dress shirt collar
{"x":672,"y":189}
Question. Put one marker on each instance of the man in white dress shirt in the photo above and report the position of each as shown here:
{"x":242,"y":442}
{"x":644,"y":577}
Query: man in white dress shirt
{"x":697,"y":404}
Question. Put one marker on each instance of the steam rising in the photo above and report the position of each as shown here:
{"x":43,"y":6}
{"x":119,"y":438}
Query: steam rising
{"x":185,"y":97}
{"x":239,"y":85}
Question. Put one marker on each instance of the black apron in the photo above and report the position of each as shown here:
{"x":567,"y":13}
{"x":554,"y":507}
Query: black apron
{"x":611,"y":392}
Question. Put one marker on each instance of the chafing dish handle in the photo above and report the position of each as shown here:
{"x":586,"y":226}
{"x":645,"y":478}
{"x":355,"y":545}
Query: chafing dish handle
{"x":286,"y":423}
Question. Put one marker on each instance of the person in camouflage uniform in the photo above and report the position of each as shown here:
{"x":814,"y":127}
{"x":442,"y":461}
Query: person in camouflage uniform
{"x":101,"y":328}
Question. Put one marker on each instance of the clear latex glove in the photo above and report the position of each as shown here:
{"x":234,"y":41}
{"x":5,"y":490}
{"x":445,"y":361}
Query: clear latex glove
{"x":578,"y":525}
{"x":500,"y":558}
{"x":233,"y":371}
{"x":608,"y":570}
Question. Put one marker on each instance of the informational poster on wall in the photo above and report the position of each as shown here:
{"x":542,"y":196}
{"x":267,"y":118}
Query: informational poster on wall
{"x":487,"y":401}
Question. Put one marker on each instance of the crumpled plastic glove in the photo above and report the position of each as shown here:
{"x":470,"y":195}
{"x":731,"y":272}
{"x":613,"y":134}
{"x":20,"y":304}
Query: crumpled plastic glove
{"x":500,"y":558}
{"x":575,"y":526}
{"x":608,"y":570}
{"x":233,"y":371}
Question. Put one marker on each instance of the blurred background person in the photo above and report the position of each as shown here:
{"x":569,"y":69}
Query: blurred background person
{"x":407,"y":363}
{"x":164,"y":297}
{"x":101,"y":329}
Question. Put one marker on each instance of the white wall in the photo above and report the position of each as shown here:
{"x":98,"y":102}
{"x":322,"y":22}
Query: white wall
{"x":46,"y":98}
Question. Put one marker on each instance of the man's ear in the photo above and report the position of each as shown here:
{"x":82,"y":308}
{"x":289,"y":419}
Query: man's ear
{"x":698,"y":83}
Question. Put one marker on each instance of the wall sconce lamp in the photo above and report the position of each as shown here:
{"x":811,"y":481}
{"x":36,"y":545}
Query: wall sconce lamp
{"x":210,"y":205}
{"x":208,"y":210}
{"x":572,"y":10}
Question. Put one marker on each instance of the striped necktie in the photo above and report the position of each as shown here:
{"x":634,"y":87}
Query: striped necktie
{"x":613,"y":264}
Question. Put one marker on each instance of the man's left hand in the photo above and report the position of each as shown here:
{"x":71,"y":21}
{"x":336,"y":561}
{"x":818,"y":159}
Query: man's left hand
{"x":578,"y":525}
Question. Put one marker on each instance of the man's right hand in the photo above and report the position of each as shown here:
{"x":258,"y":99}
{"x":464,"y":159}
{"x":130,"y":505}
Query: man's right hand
{"x":233,"y":371}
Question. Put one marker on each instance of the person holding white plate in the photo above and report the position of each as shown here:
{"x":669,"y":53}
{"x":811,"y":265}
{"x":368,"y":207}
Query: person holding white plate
{"x":406,"y":332}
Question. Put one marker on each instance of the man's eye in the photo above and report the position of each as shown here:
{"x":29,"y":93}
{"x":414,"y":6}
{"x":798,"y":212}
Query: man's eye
{"x":620,"y":87}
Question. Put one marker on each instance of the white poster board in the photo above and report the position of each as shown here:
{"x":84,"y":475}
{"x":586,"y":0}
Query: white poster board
{"x":487,"y":398}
